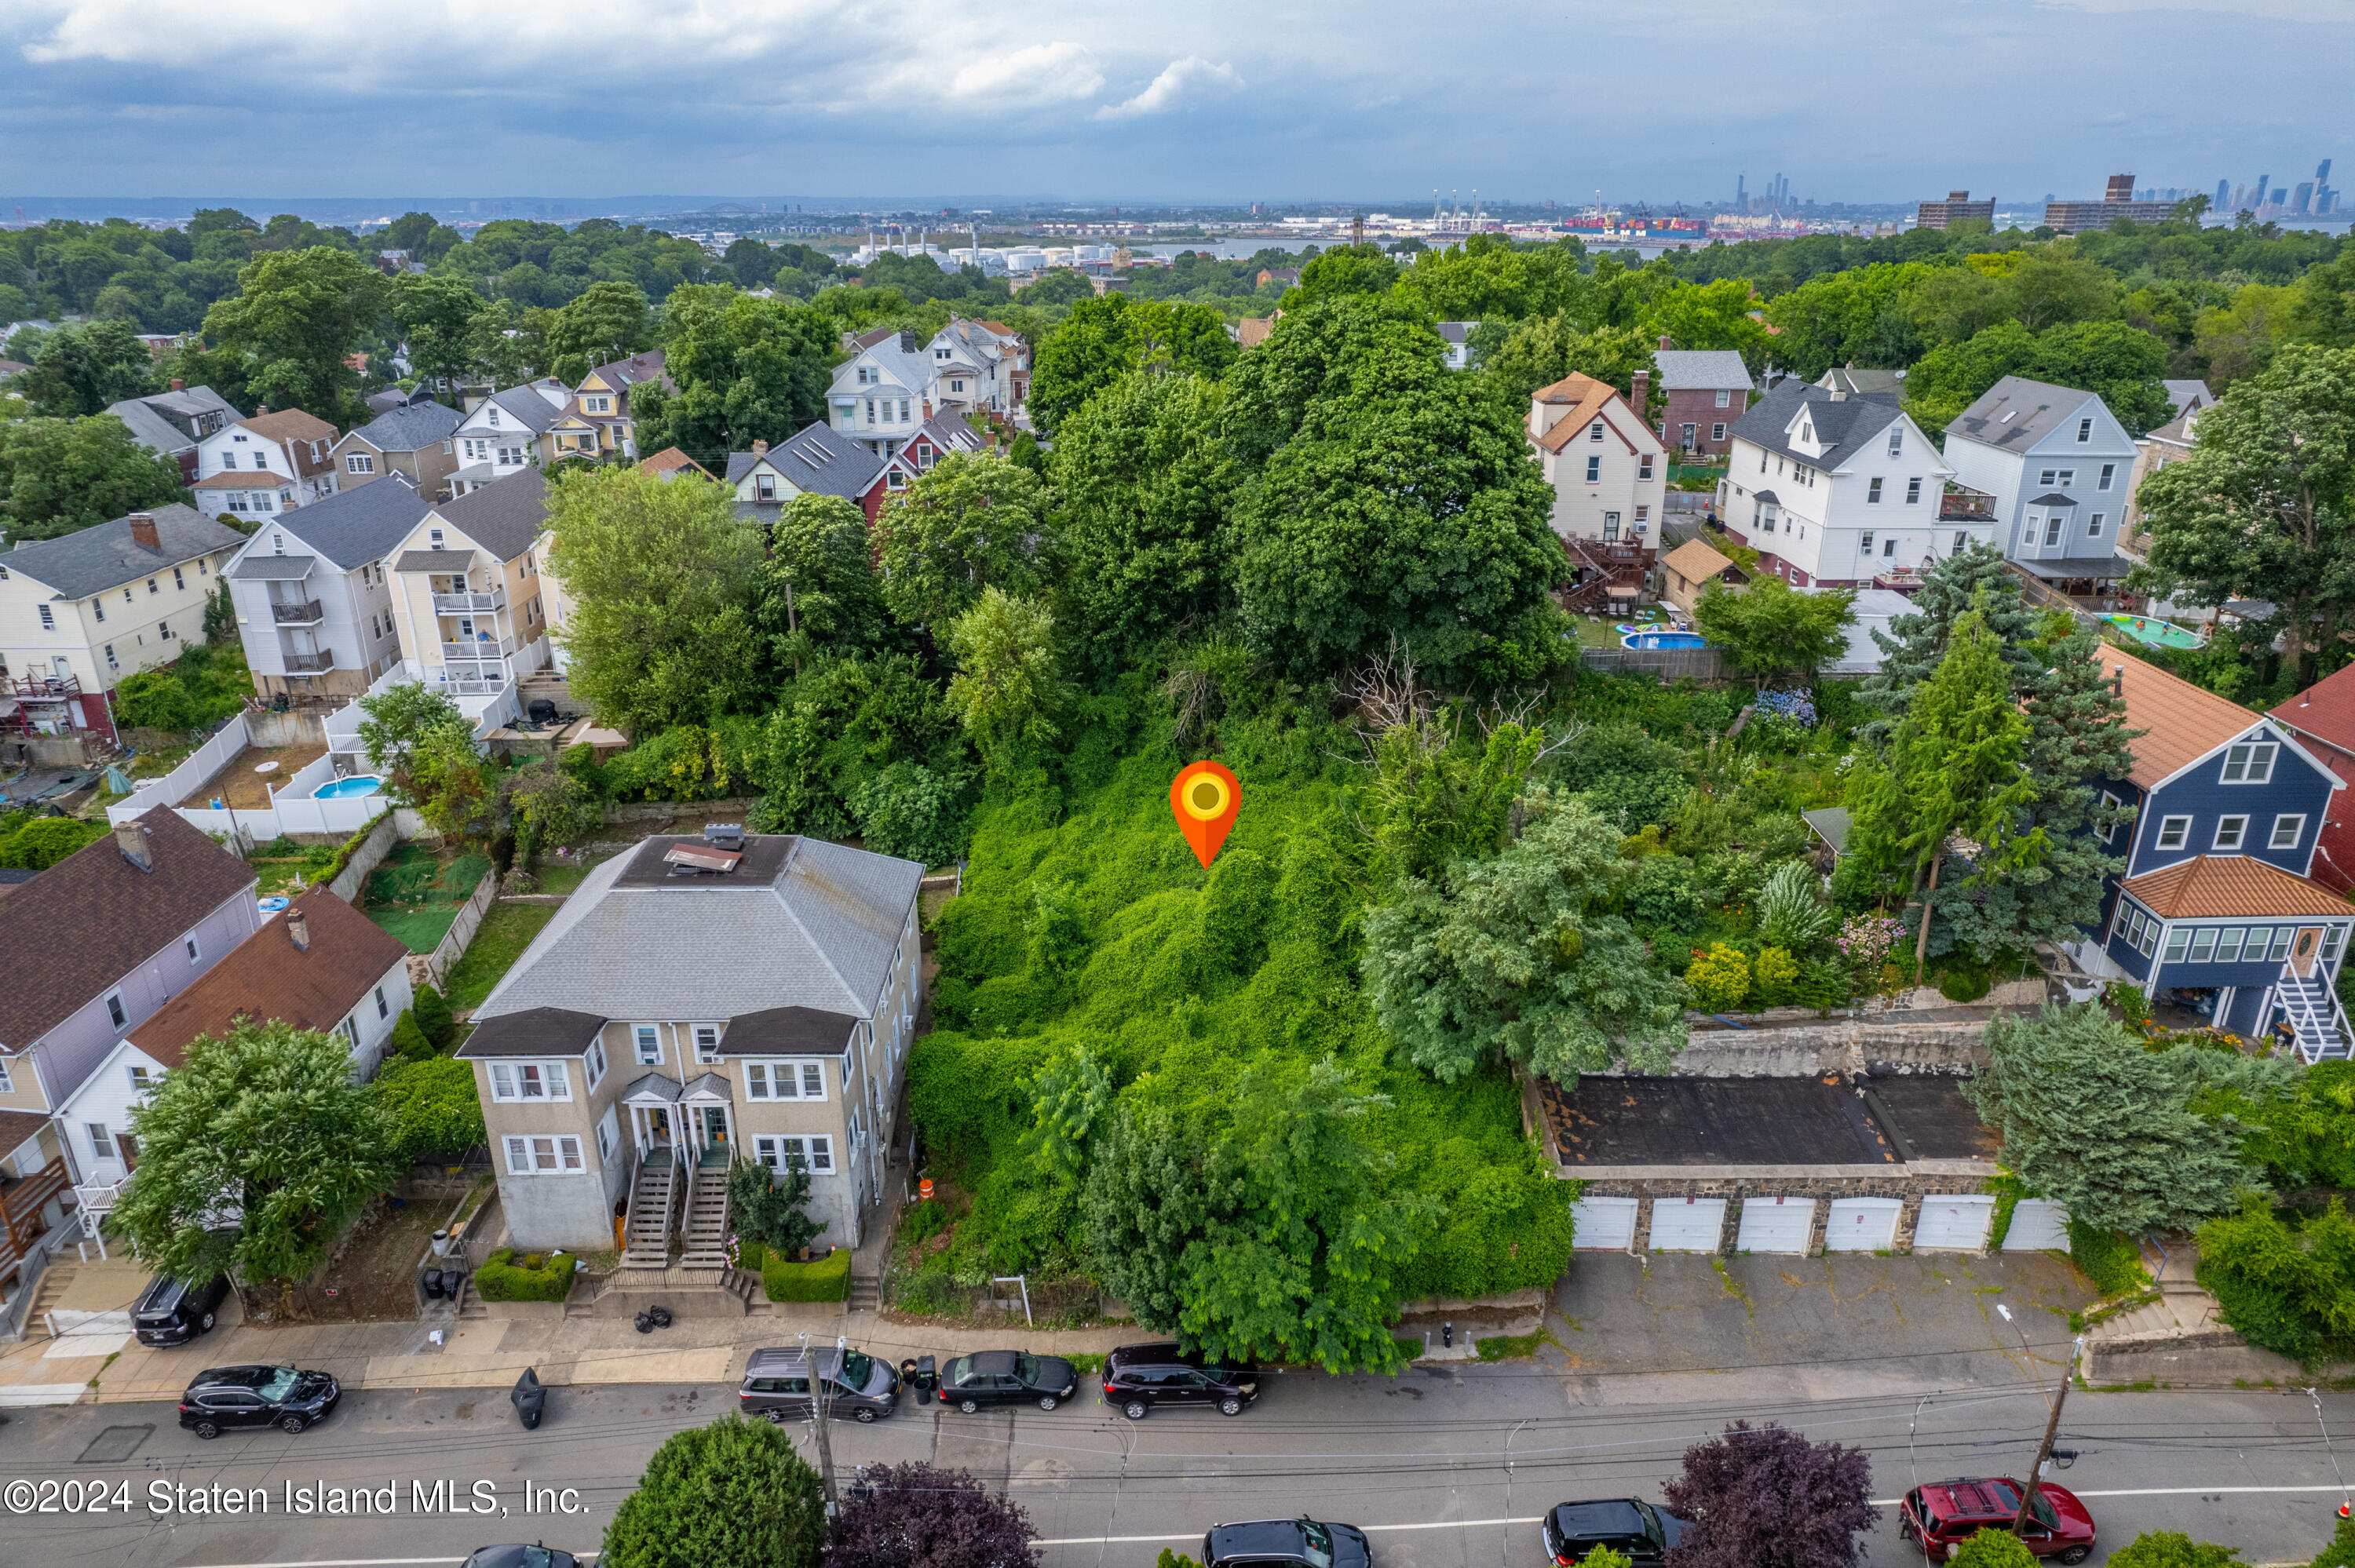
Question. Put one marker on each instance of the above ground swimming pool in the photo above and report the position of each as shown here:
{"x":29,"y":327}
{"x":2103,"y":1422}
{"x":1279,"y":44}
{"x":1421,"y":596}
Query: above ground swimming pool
{"x":350,"y":788}
{"x":2158,"y":633}
{"x":1664,"y":639}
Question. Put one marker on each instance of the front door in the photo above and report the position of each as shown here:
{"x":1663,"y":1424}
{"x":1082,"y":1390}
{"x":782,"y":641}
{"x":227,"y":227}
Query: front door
{"x":657,"y":1126}
{"x":715,"y":1128}
{"x":128,"y":1146}
{"x":2302,"y":952}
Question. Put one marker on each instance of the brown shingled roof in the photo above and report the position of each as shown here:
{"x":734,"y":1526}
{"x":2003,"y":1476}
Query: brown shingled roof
{"x":669,"y":459}
{"x":2226,"y":887}
{"x":74,"y":931}
{"x":1588,"y":399}
{"x":2185,"y":723}
{"x":266,"y":976}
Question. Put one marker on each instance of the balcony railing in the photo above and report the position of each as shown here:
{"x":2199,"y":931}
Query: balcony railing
{"x":21,"y":1202}
{"x":296,"y":614}
{"x":469,"y":602}
{"x":479,"y":652}
{"x":1961,"y":503}
{"x":309,"y":663}
{"x":40,"y":686}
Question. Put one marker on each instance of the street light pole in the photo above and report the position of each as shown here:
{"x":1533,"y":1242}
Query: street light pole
{"x":2051,"y":1430}
{"x":820,"y":1390}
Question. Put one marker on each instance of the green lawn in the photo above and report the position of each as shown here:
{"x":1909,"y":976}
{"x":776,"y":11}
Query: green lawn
{"x":416,"y":894}
{"x":564,"y":876}
{"x":504,"y":933}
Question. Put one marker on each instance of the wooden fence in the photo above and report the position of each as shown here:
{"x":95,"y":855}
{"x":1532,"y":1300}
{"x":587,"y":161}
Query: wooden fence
{"x":1668,"y":664}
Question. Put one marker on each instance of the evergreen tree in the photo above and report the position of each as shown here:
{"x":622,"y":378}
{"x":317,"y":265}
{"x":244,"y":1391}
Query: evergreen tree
{"x":1914,"y":643}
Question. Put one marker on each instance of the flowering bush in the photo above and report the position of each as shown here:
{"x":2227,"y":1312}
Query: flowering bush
{"x":1720,"y":978}
{"x":1791,"y":705}
{"x":1865,"y":942}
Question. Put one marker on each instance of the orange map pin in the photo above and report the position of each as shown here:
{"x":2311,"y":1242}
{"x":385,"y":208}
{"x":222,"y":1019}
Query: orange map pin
{"x":1205,"y":799}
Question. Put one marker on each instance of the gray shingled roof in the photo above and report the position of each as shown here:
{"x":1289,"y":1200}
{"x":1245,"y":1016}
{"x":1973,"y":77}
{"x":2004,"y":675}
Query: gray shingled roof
{"x":1871,"y":383}
{"x":1707,"y":369}
{"x":95,"y":559}
{"x":822,"y":935}
{"x":2188,"y":394}
{"x":150,"y":428}
{"x":1846,"y":425}
{"x":409,"y":427}
{"x":527,"y":408}
{"x":504,"y":516}
{"x":351,"y":526}
{"x":820,"y":459}
{"x":2037,"y":410}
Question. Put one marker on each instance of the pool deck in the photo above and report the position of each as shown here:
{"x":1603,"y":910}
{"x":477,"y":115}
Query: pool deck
{"x":246,"y":791}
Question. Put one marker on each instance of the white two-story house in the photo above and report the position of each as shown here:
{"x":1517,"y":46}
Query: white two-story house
{"x":1838,"y":489}
{"x":466,"y":589}
{"x":508,"y":432}
{"x":266,"y":464}
{"x":2059,"y":465}
{"x":1607,"y":467}
{"x":314,"y":594}
{"x":877,"y":395}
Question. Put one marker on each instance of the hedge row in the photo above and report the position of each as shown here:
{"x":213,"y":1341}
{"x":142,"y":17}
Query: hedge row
{"x":824,"y":1279}
{"x":529,"y":1277}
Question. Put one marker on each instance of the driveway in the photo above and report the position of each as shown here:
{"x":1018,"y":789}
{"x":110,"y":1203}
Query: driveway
{"x":1638,"y":1330}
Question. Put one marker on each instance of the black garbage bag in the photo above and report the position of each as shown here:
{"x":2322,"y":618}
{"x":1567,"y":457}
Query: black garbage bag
{"x":529,"y":1398}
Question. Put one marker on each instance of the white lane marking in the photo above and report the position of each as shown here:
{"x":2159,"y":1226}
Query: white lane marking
{"x":1369,"y":1528}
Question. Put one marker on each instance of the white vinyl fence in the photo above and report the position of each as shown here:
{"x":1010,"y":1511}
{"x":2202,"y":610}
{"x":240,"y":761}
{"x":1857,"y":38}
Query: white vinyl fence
{"x":286,"y":813}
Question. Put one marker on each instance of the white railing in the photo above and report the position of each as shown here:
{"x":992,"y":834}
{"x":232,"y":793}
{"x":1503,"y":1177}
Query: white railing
{"x":482,"y":650}
{"x":2315,"y":1017}
{"x":344,"y":724}
{"x":469,"y":601}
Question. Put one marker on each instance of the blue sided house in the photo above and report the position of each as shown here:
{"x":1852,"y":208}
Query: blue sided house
{"x":2215,"y":911}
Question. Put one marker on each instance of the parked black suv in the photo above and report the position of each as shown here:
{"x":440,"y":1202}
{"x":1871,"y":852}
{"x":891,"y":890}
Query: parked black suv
{"x":1282,"y":1542}
{"x":515,"y":1556}
{"x":1634,"y":1530}
{"x":1138,"y":1379}
{"x":284,"y":1397}
{"x":173,"y":1312}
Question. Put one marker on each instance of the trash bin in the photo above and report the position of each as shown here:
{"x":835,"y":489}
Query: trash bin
{"x":927,"y":1378}
{"x":441,"y":1243}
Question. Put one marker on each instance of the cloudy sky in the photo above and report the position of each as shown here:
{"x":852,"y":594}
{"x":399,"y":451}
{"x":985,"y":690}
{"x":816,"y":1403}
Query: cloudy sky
{"x":1213,"y":99}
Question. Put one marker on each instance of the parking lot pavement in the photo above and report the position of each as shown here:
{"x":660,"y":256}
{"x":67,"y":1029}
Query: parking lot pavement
{"x":1661,"y":1327}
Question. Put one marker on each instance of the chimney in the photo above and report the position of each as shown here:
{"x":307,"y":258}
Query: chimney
{"x":143,"y":531}
{"x":260,"y":409}
{"x":298,"y":926}
{"x":2118,"y":679}
{"x":760,"y":449}
{"x":907,"y":342}
{"x":1637,"y":393}
{"x":1664,"y":340}
{"x":178,"y":385}
{"x":131,"y":840}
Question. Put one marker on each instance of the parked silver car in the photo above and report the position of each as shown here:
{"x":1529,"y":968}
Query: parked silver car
{"x":777,"y":1383}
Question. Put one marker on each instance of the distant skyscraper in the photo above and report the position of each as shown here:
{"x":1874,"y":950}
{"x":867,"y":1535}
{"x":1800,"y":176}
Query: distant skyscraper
{"x":2281,"y":195}
{"x":2224,"y":196}
{"x":2256,"y":197}
{"x":2301,"y":199}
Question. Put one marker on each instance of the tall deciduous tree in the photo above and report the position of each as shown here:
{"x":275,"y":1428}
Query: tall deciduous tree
{"x":440,"y":318}
{"x":2263,"y":507}
{"x":730,"y":1495}
{"x":662,"y":575}
{"x":297,"y":317}
{"x":819,"y":590}
{"x":79,"y":370}
{"x":2090,"y":1117}
{"x":1765,"y":1497}
{"x":747,"y":370}
{"x":973,"y":522}
{"x":1541,"y":351}
{"x":58,"y":476}
{"x":1007,"y":690}
{"x":921,"y":1516}
{"x":1517,"y":957}
{"x":609,"y":321}
{"x":255,"y":1153}
{"x":398,"y":722}
{"x":1105,"y":339}
{"x":1770,"y":627}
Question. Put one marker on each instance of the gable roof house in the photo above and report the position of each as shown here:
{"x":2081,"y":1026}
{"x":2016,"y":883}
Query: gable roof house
{"x":877,"y":395}
{"x":418,"y":438}
{"x":2216,"y":910}
{"x":1457,"y":337}
{"x":2322,"y":717}
{"x":1609,"y":474}
{"x":1863,"y":382}
{"x":80,"y":612}
{"x":1704,"y":391}
{"x":94,"y":946}
{"x":269,"y":463}
{"x":466,"y":590}
{"x":738,"y":994}
{"x":1840,"y":490}
{"x":2057,"y":463}
{"x":172,"y":422}
{"x":1691,"y":567}
{"x":820,"y":460}
{"x":596,"y":422}
{"x":506,"y":433}
{"x":934,"y":439}
{"x":314,"y":594}
{"x":979,"y":365}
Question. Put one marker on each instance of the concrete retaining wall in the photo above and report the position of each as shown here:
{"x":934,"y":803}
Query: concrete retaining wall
{"x":2217,"y":1359}
{"x":1820,"y":1046}
{"x":296,"y":726}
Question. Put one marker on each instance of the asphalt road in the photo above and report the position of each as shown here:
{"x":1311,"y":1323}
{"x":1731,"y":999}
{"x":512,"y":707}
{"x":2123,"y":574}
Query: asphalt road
{"x":1450,"y":1466}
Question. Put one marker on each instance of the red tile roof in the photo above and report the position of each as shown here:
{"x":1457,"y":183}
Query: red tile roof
{"x":2229,"y":886}
{"x":266,"y":976}
{"x":2185,"y":723}
{"x":2325,"y":710}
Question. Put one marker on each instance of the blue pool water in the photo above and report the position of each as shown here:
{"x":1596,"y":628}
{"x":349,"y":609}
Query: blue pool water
{"x":347,"y":788}
{"x":1664,"y":639}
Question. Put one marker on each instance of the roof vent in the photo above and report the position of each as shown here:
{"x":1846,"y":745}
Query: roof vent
{"x":701,"y":860}
{"x":724,"y":835}
{"x":2118,"y":679}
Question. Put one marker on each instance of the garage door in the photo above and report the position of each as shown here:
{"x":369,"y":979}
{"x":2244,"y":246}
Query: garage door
{"x":1775,"y":1224}
{"x":1603,"y":1224}
{"x":1861,"y":1224}
{"x":2037,"y":1224}
{"x":1952,"y":1222}
{"x":1686,"y":1224}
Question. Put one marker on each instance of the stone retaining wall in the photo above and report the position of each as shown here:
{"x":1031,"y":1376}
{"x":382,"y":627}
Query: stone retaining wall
{"x":1819,"y":1046}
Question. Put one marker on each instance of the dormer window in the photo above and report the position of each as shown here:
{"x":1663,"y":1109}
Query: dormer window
{"x":1806,"y":430}
{"x":1594,"y":431}
{"x":434,"y":538}
{"x":494,"y":414}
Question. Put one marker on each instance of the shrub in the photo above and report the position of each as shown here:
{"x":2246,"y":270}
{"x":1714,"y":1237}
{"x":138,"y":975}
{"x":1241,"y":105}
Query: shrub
{"x":824,"y":1279}
{"x":1664,"y":893}
{"x":729,"y":1495}
{"x":507,"y":1277}
{"x":434,"y":1107}
{"x":2108,"y":1258}
{"x":2290,"y":1289}
{"x":45,"y":841}
{"x":434,"y":1017}
{"x":1823,"y":985}
{"x":1789,"y":913}
{"x":2340,"y":1552}
{"x":910,"y":811}
{"x":1777,"y":973}
{"x":2173,"y":1549}
{"x":1994,"y":1549}
{"x":1964,"y":984}
{"x":771,"y":1207}
{"x":921,"y":1516}
{"x":408,"y":1041}
{"x":1720,"y":978}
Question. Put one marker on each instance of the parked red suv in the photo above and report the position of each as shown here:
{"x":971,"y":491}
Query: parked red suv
{"x":1944,"y":1514}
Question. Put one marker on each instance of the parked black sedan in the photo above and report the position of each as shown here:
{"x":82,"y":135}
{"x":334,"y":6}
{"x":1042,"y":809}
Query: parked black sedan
{"x":284,"y":1397}
{"x":1007,"y":1377}
{"x":517,"y":1556}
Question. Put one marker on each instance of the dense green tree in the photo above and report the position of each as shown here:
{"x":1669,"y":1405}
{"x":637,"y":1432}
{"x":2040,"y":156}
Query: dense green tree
{"x":433,"y":1104}
{"x":746,"y":369}
{"x":40,"y":844}
{"x":1008,"y":690}
{"x":1105,"y":339}
{"x":58,"y":476}
{"x":1343,"y":269}
{"x":1542,"y":352}
{"x":733,"y":1494}
{"x":917,"y":1515}
{"x":866,"y":747}
{"x":1058,"y":286}
{"x":297,"y":317}
{"x":2092,"y":1118}
{"x":1438,"y":797}
{"x":1487,"y":278}
{"x":396,"y":722}
{"x":440,"y":318}
{"x":1313,"y":352}
{"x":662,"y":574}
{"x":2121,"y":364}
{"x":1859,"y":316}
{"x":2325,"y":313}
{"x":771,"y":1207}
{"x":2263,"y":507}
{"x":267,"y":1124}
{"x":608,"y":321}
{"x":1770,"y":627}
{"x":1517,"y":957}
{"x":2172,"y":1548}
{"x":1145,"y":482}
{"x":1272,"y":1237}
{"x":971,"y":523}
{"x":78,"y":370}
{"x":819,"y":590}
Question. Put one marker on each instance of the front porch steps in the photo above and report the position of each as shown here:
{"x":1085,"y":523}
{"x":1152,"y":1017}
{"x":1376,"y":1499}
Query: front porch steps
{"x":645,"y":1239}
{"x":705,"y":1242}
{"x":2316,"y":1016}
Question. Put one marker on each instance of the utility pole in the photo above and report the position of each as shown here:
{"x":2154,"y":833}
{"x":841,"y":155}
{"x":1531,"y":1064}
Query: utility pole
{"x":821,"y":1402}
{"x":2044,"y":1449}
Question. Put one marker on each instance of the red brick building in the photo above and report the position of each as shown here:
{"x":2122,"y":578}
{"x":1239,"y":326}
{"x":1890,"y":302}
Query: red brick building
{"x":1705,"y":391}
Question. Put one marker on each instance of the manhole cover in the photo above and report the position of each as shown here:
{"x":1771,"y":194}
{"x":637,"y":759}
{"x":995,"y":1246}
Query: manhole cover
{"x":115,"y":1444}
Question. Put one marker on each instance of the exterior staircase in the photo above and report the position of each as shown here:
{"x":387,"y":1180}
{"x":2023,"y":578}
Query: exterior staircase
{"x":866,"y":1293}
{"x":55,"y":1280}
{"x":2315,"y":1017}
{"x":645,"y":1242}
{"x":705,"y":1244}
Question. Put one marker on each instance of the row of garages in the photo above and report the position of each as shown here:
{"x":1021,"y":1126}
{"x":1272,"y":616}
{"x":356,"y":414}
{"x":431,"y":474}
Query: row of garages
{"x":1804,"y":1225}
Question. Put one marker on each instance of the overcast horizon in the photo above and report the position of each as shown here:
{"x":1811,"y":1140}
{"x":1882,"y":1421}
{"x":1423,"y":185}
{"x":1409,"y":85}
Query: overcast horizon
{"x":131,"y":100}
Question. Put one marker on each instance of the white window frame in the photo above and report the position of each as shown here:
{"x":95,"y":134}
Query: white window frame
{"x":1643,"y":466}
{"x":2254,"y":758}
{"x":6,"y":1085}
{"x":383,"y":1007}
{"x":2084,"y":430}
{"x":117,"y":1013}
{"x":521,"y":1082}
{"x":592,"y":1064}
{"x":2228,"y":944}
{"x":2109,"y":474}
{"x":48,"y":618}
{"x":2179,"y":939}
{"x":194,"y":949}
{"x":545,"y":1154}
{"x":2110,"y":803}
{"x":642,"y":1037}
{"x":1872,"y":490}
{"x":2174,"y":833}
{"x":1717,"y":431}
{"x":2232,"y":832}
{"x":1725,"y":397}
{"x":2094,"y":524}
{"x":2294,"y":822}
{"x":609,"y":1134}
{"x":358,"y":462}
{"x":2279,"y":949}
{"x":1914,"y":492}
{"x":1594,"y":469}
{"x":771,"y":1149}
{"x":140,"y":1081}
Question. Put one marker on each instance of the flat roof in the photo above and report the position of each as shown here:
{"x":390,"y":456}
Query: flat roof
{"x":1603,"y":1121}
